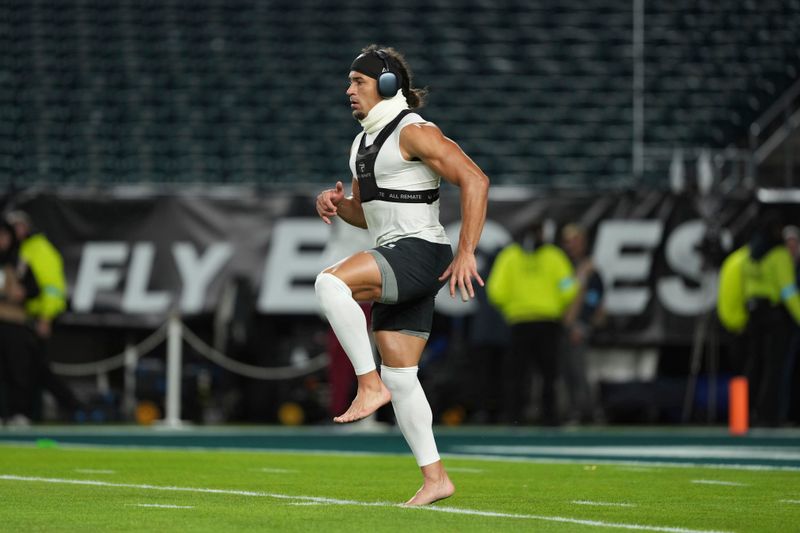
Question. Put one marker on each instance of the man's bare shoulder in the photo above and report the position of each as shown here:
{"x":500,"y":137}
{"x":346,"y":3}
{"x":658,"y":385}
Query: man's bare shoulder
{"x":419,"y":137}
{"x":421,"y":128}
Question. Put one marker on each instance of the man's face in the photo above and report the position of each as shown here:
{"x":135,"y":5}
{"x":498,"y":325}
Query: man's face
{"x":794,"y":247}
{"x":21,"y":230}
{"x":363,"y":94}
{"x":5,"y":240}
{"x":575,"y":245}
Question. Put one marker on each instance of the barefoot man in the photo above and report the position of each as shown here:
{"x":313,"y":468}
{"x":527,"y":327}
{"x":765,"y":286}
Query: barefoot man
{"x":397,"y":163}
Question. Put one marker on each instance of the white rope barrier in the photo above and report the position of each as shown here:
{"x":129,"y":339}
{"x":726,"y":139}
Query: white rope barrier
{"x":174,"y":331}
{"x":255,"y":372}
{"x":113,"y":362}
{"x":158,"y":336}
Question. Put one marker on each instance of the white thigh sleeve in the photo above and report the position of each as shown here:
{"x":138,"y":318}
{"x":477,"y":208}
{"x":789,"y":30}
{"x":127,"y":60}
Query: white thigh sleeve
{"x":347,"y":320}
{"x":413,"y":412}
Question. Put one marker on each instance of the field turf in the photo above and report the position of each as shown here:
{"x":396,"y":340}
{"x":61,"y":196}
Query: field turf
{"x":47,"y":485}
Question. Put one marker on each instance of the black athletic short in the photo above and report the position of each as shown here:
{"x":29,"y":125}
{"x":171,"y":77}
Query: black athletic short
{"x":410,"y":270}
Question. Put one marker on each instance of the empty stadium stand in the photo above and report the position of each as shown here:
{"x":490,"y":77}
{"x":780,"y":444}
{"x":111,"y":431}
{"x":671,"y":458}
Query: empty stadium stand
{"x":96,"y":92}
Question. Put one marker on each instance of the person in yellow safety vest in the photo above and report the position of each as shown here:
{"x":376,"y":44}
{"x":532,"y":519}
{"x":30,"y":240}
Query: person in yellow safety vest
{"x":532,"y":284}
{"x":773,"y":305}
{"x":731,"y":303}
{"x":47,"y":266}
{"x":790,"y":408}
{"x":43,"y":305}
{"x":16,"y":339}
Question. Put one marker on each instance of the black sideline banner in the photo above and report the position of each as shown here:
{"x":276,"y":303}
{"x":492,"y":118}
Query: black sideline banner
{"x":138,"y":257}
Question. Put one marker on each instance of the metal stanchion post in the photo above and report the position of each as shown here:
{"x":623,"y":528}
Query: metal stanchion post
{"x":174,"y":363}
{"x":129,"y":383}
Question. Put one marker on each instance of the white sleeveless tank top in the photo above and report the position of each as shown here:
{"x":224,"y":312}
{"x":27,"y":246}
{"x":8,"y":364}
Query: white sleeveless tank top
{"x":390,"y":221}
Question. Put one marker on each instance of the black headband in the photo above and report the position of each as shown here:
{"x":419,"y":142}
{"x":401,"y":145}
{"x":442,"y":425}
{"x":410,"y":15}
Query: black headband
{"x":372,"y":65}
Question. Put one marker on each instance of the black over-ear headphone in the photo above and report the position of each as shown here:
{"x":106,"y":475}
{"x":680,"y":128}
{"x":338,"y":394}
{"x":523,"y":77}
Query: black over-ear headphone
{"x":388,"y":82}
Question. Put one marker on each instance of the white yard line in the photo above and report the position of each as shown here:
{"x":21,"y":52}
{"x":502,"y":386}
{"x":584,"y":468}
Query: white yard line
{"x":717,"y":482}
{"x":774,"y":453}
{"x":602,"y":504}
{"x":170,"y":488}
{"x":93,"y":471}
{"x":159,"y":505}
{"x":335,"y":501}
{"x":619,"y":462}
{"x":275,"y":470}
{"x":463,"y":470}
{"x":597,"y":523}
{"x":790,"y":501}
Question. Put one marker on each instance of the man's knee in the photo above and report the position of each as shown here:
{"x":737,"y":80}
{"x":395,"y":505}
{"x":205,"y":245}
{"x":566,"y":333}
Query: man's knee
{"x":401,"y":382}
{"x":332,"y":292}
{"x":328,"y":286}
{"x":399,"y":349}
{"x":328,"y":283}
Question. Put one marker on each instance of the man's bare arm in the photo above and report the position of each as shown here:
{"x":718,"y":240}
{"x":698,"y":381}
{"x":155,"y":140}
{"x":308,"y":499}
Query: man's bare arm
{"x":333,"y":202}
{"x":445,"y":157}
{"x":350,"y":209}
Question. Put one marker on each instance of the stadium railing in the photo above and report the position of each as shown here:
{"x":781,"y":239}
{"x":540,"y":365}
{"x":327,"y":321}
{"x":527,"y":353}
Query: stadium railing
{"x":772,"y":130}
{"x":174,"y":332}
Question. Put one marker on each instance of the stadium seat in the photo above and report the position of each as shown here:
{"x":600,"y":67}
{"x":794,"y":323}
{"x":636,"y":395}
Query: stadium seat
{"x":253,"y":92}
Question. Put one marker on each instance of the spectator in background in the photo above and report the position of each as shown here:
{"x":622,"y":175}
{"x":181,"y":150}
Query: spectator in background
{"x":791,"y":237}
{"x":583,"y":316}
{"x":532,"y":284}
{"x":46,"y":264}
{"x":41,"y":265}
{"x":17,"y":341}
{"x":773,"y":306}
{"x":488,"y":339}
{"x":731,"y":307}
{"x":790,"y":410}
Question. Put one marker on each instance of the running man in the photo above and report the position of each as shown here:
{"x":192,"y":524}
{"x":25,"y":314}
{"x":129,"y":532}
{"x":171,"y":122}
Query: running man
{"x":397,"y":163}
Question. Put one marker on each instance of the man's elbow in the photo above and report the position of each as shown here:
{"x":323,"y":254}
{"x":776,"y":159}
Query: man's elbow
{"x":480,"y":182}
{"x":473,"y":181}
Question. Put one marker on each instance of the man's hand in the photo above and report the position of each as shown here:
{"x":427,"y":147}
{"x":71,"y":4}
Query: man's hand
{"x":328,"y":202}
{"x":44,"y":328}
{"x":15,"y":293}
{"x":461,"y":271}
{"x":577,"y":334}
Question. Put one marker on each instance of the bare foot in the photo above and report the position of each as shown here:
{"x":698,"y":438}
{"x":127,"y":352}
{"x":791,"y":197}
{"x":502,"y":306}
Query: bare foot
{"x":366,"y":402}
{"x":432,"y":492}
{"x":435,"y":488}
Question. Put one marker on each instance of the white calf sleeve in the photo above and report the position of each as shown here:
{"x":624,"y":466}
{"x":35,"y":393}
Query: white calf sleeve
{"x":347,"y":320}
{"x":413,"y":412}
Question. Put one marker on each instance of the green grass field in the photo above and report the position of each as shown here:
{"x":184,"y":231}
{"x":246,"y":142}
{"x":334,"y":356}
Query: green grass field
{"x":74,"y":488}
